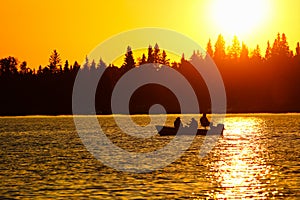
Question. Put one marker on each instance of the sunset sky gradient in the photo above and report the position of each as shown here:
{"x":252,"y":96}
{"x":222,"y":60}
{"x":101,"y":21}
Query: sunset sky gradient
{"x":32,"y":29}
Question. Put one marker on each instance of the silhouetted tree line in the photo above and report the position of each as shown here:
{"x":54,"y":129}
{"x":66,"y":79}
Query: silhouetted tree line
{"x":255,"y":81}
{"x":258,"y":81}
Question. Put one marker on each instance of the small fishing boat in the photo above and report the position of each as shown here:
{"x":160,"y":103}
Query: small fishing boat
{"x":167,"y":130}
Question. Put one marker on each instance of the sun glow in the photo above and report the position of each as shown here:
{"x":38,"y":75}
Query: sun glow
{"x":239,"y":17}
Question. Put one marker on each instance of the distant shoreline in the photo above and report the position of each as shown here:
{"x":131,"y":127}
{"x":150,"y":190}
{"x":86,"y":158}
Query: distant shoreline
{"x":120,"y":114}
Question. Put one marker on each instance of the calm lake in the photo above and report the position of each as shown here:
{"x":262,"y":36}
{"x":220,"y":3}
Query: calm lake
{"x":258,"y":157}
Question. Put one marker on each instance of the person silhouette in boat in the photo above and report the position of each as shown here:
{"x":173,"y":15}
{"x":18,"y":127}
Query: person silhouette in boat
{"x":204,"y":121}
{"x":193,"y":124}
{"x":177,"y":123}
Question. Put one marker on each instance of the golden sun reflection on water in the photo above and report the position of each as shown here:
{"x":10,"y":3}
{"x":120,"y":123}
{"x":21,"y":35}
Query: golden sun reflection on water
{"x":239,"y":169}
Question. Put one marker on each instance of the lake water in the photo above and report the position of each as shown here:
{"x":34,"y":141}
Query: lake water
{"x":258,"y":157}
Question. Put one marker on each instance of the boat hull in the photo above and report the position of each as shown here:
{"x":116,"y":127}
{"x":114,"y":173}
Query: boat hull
{"x":169,"y":131}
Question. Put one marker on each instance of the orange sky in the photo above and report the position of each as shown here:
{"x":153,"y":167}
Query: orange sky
{"x":32,"y":29}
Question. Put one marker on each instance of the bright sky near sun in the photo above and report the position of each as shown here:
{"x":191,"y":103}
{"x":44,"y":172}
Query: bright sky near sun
{"x":31,"y":29}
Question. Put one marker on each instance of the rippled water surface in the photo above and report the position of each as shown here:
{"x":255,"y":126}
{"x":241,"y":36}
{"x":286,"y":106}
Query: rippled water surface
{"x":258,"y":157}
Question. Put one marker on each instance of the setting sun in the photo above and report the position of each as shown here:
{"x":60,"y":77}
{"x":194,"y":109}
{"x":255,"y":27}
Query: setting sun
{"x":236,"y":17}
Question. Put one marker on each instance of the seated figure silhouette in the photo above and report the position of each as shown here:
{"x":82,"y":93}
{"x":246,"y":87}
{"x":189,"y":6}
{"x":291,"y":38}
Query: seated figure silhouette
{"x":193,"y":124}
{"x":177,"y":123}
{"x":204,"y":121}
